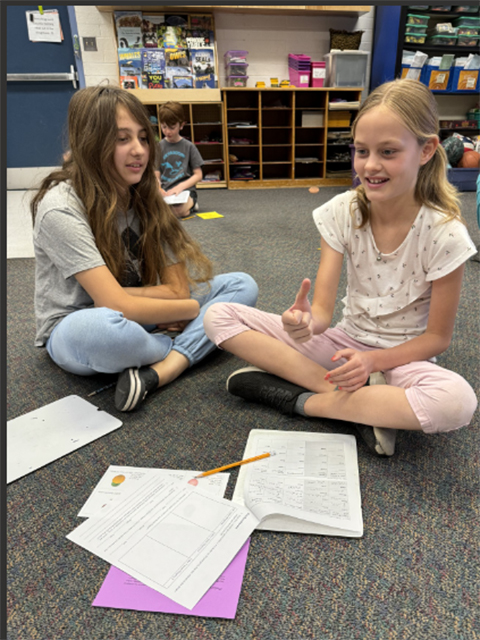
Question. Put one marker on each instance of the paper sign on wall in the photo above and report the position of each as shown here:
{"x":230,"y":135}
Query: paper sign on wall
{"x":44,"y":27}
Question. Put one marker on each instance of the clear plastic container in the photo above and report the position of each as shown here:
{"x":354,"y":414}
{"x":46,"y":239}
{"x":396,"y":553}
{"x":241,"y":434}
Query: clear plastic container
{"x":237,"y":81}
{"x":417,"y":28}
{"x":235,"y":55}
{"x":415,"y":18}
{"x":463,"y":9}
{"x":467,"y":21}
{"x":440,"y":7}
{"x":237,"y":69}
{"x":446,"y":40}
{"x":468,"y":41}
{"x":347,"y":68}
{"x":415,"y":38}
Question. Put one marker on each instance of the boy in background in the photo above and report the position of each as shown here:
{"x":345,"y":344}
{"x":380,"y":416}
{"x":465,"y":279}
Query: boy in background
{"x":178,"y":160}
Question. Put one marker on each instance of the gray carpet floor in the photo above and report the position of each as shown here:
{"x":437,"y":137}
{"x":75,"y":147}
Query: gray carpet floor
{"x":413,"y":575}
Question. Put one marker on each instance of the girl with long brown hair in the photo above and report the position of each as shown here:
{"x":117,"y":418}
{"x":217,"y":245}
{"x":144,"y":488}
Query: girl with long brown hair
{"x":113,"y":263}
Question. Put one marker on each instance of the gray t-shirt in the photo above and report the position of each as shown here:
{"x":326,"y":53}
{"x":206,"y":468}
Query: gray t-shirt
{"x":176,"y":162}
{"x":64,"y":246}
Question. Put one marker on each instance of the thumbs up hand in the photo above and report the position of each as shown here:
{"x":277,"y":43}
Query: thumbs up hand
{"x":297,"y":321}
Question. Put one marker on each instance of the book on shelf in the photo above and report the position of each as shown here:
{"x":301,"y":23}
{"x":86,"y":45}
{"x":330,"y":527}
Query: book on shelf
{"x":309,"y":485}
{"x":150,"y":26}
{"x":199,"y":38}
{"x":153,"y":61}
{"x":129,"y":82}
{"x":181,"y":82}
{"x":169,"y":36}
{"x":154,"y":80}
{"x":203,"y":67}
{"x":129,"y":28}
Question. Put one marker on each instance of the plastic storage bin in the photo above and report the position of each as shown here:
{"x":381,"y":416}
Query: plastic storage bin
{"x":463,"y":9}
{"x":463,"y":179}
{"x":318,"y":74}
{"x":415,"y":38}
{"x":347,"y":68}
{"x":235,"y":55}
{"x":465,"y":40}
{"x":237,"y":81}
{"x":467,"y":21}
{"x":464,"y":79}
{"x":417,"y":28}
{"x":446,"y":40}
{"x":299,"y":69}
{"x":236,"y":69}
{"x":436,"y":79}
{"x":416,"y":18}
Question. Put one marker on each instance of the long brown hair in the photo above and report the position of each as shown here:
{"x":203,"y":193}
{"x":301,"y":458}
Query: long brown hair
{"x":89,"y":167}
{"x":416,"y":107}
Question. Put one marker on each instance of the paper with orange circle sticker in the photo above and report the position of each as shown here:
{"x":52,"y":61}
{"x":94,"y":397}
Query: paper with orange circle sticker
{"x":119,"y":482}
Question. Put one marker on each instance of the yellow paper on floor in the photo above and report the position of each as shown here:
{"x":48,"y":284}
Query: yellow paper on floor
{"x":209,"y":215}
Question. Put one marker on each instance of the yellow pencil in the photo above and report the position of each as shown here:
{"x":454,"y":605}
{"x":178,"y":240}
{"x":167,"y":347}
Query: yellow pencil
{"x":234,"y":464}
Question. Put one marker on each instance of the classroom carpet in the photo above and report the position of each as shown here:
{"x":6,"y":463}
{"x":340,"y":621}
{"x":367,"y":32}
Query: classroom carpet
{"x":413,"y":575}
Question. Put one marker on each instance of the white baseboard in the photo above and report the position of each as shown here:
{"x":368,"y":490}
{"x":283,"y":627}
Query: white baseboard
{"x":27,"y":177}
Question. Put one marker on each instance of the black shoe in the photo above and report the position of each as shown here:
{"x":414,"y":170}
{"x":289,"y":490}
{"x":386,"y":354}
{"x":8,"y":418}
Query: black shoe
{"x":132,"y":387}
{"x":256,"y":385}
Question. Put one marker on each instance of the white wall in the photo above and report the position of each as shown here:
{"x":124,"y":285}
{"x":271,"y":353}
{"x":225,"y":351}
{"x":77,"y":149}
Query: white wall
{"x":268,"y":39}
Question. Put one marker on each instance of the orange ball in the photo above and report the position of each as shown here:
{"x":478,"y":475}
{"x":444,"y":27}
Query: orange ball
{"x":470,"y":160}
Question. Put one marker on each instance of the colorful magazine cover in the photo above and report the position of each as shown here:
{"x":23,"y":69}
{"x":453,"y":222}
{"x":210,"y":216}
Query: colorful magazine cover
{"x":150,"y":26}
{"x":203,"y":67}
{"x":153,"y":61}
{"x":178,"y":58}
{"x":129,"y":82}
{"x":155,"y":81}
{"x":129,"y":28}
{"x":130,"y":65}
{"x":169,"y":37}
{"x":201,"y":22}
{"x":182,"y":82}
{"x":199,"y":38}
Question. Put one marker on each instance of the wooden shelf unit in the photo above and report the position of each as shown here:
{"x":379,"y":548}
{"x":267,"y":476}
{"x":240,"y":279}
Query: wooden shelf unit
{"x":204,"y":127}
{"x":275,"y":150}
{"x":292,"y":10}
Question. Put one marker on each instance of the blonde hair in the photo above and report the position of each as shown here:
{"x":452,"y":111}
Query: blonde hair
{"x":89,"y":167}
{"x":415,"y":105}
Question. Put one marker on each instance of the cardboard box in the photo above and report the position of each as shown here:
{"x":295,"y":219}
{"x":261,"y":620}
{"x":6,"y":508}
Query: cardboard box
{"x":339,"y":119}
{"x":312,"y":118}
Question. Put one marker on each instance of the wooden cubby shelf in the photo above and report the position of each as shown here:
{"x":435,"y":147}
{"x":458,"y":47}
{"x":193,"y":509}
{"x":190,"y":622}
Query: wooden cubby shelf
{"x":288,"y":129}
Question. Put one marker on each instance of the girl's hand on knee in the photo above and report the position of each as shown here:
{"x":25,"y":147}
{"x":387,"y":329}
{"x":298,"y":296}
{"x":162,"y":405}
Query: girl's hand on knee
{"x":354,"y":373}
{"x":297,"y":321}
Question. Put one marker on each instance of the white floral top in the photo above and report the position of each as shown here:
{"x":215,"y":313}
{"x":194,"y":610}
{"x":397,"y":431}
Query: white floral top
{"x":388,"y":299}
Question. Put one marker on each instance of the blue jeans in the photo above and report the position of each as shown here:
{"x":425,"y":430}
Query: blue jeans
{"x":100,"y":340}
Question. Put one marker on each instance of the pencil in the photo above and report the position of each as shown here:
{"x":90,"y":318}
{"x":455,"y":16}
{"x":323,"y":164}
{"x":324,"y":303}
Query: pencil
{"x":107,"y":386}
{"x":234,"y":464}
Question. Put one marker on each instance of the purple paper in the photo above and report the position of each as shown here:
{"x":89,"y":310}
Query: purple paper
{"x":121,"y":591}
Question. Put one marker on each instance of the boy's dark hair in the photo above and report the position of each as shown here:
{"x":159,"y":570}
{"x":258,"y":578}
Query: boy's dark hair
{"x":171,"y":113}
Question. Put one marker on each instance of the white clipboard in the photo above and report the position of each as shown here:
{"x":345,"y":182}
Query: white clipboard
{"x":55,"y":430}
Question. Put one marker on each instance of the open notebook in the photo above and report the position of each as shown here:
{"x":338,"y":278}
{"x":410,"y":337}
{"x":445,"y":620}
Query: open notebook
{"x":310,"y":485}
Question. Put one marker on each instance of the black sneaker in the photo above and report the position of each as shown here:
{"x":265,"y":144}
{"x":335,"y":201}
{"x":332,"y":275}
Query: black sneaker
{"x":132,"y":387}
{"x":255,"y":385}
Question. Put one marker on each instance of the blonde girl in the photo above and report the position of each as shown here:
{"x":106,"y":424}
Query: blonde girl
{"x":405,"y":245}
{"x":113,"y":264}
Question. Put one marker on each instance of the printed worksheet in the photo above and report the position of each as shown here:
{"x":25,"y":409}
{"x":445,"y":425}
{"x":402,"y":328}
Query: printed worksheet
{"x":176,"y":538}
{"x":310,"y":484}
{"x":118,"y":482}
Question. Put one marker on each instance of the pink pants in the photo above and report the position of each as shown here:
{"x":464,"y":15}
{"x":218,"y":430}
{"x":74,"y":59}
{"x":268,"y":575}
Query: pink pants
{"x":441,"y":399}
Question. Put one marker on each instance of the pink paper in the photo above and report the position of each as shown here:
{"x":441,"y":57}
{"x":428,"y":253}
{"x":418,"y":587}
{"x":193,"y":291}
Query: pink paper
{"x":121,"y":591}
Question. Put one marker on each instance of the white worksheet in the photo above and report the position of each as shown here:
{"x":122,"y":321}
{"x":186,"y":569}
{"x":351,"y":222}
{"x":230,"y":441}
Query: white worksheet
{"x":52,"y":431}
{"x":179,"y":198}
{"x":310,"y":485}
{"x":174,"y":538}
{"x":118,"y":482}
